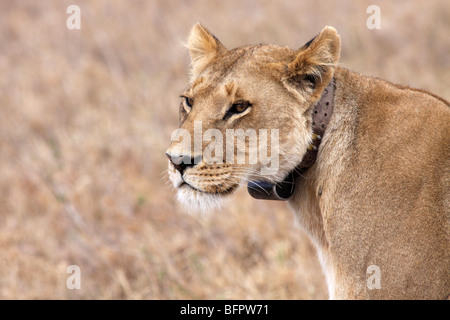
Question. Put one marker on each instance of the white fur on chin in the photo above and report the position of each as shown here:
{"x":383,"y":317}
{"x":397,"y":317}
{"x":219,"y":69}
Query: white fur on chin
{"x":198,"y":202}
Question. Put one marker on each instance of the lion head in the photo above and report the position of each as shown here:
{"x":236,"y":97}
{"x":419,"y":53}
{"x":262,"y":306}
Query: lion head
{"x":246,"y":113}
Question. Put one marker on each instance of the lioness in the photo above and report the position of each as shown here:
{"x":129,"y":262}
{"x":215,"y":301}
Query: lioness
{"x":375,"y":202}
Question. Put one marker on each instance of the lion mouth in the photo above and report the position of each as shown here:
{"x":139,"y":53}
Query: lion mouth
{"x":187,"y":185}
{"x":219,"y":190}
{"x":204,"y":201}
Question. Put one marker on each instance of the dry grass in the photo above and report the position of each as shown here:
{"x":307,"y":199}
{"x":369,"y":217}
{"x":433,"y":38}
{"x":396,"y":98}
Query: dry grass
{"x":85,"y":117}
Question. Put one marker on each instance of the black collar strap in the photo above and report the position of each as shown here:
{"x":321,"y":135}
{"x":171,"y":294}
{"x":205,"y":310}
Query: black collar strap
{"x":321,"y":115}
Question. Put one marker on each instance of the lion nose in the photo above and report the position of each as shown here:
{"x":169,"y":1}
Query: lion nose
{"x":182,"y":162}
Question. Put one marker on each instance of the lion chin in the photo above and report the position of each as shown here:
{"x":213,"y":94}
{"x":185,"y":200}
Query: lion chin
{"x":196,"y":201}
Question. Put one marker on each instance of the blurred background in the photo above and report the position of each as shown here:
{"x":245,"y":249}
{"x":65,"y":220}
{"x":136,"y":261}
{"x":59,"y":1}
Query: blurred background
{"x":85,"y":118}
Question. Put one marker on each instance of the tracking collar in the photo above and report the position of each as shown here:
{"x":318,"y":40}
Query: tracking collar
{"x":321,"y":116}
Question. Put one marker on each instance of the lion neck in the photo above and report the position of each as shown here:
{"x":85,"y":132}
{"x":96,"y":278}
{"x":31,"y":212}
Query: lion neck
{"x":315,"y":185}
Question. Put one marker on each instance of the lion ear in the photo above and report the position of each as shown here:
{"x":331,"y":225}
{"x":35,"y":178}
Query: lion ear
{"x":203,"y":48}
{"x":316,"y":59}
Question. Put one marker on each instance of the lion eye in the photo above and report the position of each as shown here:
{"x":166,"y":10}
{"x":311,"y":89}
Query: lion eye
{"x":239,"y":107}
{"x":188,"y":102}
{"x":236,"y":108}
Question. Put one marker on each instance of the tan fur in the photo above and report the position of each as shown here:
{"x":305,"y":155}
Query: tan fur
{"x":378,"y":193}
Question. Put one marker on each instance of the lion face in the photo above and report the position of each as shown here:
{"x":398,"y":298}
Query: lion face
{"x":245,"y":115}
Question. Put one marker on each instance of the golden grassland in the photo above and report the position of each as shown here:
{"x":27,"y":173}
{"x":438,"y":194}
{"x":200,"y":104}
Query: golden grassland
{"x":85,"y":118}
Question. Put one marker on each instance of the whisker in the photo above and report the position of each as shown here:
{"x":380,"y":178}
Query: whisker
{"x":277,"y":183}
{"x":243,"y":184}
{"x":163,"y":172}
